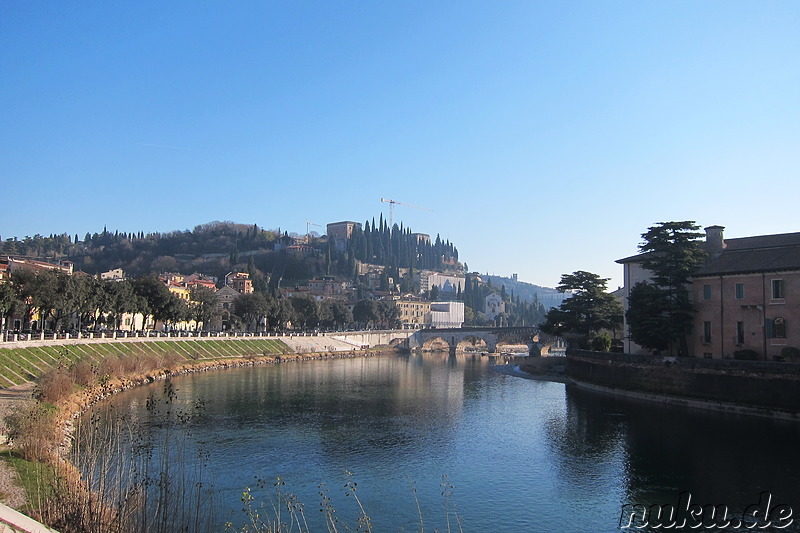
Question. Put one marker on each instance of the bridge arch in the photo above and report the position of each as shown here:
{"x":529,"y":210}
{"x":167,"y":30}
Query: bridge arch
{"x":435,"y":344}
{"x":472,"y":343}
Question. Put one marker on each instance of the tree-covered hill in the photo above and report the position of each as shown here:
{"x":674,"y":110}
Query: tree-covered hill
{"x":217,"y":248}
{"x":527,"y":292}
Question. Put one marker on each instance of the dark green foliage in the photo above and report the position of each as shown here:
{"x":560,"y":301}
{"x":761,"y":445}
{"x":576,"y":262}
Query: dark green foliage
{"x":388,"y":314}
{"x":674,"y":253}
{"x":220,"y":247}
{"x":790,"y":353}
{"x":253,"y":309}
{"x":648,"y":317}
{"x":365,"y":313}
{"x":335,"y":314}
{"x":660,"y":314}
{"x":305,"y":311}
{"x":8,"y":299}
{"x":433,"y":293}
{"x":589,"y":310}
{"x":601,"y":342}
{"x":398,"y":247}
{"x":104,"y":251}
{"x":161,"y":303}
{"x":745,"y":355}
{"x":518,"y":311}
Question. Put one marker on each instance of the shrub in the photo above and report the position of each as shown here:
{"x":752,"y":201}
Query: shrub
{"x":745,"y":355}
{"x":33,"y":431}
{"x":83,"y":373}
{"x":790,"y":353}
{"x":601,"y":343}
{"x":54,"y":386}
{"x":111,"y":367}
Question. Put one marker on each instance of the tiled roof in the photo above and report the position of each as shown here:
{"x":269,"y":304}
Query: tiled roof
{"x":763,"y":241}
{"x":763,"y":253}
{"x":747,"y":260}
{"x":632,"y":259}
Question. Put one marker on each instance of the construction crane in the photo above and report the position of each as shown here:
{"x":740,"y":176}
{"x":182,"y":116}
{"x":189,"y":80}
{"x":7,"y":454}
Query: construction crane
{"x":309,"y":223}
{"x":391,"y":208}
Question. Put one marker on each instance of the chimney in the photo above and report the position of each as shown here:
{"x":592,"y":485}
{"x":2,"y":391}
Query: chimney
{"x":714,"y":240}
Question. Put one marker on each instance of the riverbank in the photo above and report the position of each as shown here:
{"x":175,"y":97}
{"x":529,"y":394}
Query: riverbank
{"x":20,"y":397}
{"x":552,"y":368}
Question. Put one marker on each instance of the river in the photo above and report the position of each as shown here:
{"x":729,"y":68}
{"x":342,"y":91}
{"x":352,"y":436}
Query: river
{"x":473,"y":447}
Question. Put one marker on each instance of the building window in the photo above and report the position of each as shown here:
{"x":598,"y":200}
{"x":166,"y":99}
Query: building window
{"x":706,"y":292}
{"x":779,"y":328}
{"x":739,"y":291}
{"x":777,"y":289}
{"x":740,"y":333}
{"x":706,"y":332}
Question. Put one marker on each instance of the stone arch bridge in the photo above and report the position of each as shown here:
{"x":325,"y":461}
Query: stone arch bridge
{"x":489,"y":340}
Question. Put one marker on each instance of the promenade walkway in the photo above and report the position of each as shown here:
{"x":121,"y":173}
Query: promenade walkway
{"x":12,"y":521}
{"x":302,"y":340}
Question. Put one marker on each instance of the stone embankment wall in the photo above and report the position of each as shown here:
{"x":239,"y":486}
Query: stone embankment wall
{"x":370,"y":339}
{"x":771,"y":386}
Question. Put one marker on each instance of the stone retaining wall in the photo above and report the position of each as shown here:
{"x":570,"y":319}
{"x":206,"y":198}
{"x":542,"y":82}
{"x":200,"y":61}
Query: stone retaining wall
{"x":770,"y":385}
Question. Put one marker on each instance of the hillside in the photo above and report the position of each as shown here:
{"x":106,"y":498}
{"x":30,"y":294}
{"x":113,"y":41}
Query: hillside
{"x":527,"y":292}
{"x":217,"y":248}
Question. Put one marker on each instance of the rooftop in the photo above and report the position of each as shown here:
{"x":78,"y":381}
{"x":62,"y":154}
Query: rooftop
{"x":762,"y":253}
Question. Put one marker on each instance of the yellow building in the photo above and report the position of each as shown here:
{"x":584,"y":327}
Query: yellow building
{"x":413,"y":312}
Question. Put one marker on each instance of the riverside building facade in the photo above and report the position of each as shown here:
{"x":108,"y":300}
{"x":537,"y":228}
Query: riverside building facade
{"x":746,"y":297}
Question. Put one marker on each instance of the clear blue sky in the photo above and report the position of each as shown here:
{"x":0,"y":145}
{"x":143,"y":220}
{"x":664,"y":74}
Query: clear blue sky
{"x":544,"y":137}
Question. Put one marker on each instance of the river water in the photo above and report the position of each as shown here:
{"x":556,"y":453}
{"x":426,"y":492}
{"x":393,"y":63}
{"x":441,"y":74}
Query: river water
{"x":475,"y":448}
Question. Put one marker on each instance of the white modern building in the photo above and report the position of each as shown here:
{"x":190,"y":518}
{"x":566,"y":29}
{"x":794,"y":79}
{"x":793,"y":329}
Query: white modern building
{"x":447,"y":314}
{"x":446,"y":282}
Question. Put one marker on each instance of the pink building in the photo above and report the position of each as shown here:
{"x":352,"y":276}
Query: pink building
{"x":747,"y":296}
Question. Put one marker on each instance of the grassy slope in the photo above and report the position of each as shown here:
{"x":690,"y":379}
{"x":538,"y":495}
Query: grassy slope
{"x":21,"y":365}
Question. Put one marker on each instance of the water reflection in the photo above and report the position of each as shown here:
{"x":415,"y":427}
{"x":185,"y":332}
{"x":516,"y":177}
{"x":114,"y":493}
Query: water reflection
{"x":718,"y":458}
{"x":522,"y":454}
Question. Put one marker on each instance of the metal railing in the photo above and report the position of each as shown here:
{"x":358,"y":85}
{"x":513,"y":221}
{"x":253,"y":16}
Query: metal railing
{"x":40,"y":336}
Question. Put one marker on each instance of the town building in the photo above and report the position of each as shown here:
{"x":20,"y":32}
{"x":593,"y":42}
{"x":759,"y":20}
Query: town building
{"x":300,"y":249}
{"x":239,"y":281}
{"x":179,"y":289}
{"x":199,"y":280}
{"x":342,"y":230}
{"x":446,"y":282}
{"x":224,"y":308}
{"x":14,"y":264}
{"x":284,"y":242}
{"x":422,"y":238}
{"x":494,"y":305}
{"x":413,"y":312}
{"x":113,"y":275}
{"x":447,"y":314}
{"x":746,"y":296}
